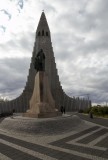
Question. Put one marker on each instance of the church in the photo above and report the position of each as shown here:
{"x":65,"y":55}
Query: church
{"x":21,"y":103}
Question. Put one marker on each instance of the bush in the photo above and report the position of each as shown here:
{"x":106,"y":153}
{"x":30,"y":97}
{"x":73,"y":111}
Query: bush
{"x":105,"y":110}
{"x":87,"y":110}
{"x":99,"y":110}
{"x":96,"y":110}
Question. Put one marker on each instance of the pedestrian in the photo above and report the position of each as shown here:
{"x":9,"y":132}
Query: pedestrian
{"x":62,"y":109}
{"x":91,"y":114}
{"x":13,"y":111}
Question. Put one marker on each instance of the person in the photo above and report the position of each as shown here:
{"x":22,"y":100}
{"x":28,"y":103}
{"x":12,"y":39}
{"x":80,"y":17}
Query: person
{"x":39,"y":64}
{"x":13,"y":111}
{"x":62,"y":109}
{"x":91,"y":114}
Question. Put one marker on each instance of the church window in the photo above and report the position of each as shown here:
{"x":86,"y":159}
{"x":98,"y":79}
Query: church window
{"x":46,"y":33}
{"x":42,"y":32}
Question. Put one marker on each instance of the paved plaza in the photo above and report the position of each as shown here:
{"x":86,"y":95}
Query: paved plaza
{"x":70,"y":137}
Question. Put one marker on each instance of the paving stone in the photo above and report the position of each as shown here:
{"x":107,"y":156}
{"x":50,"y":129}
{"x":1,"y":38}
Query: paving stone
{"x":93,"y":136}
{"x":47,"y":126}
{"x":55,"y":146}
{"x":105,"y":154}
{"x":97,"y":120}
{"x":14,"y":153}
{"x":56,"y":154}
{"x":76,"y":135}
{"x":103,"y":143}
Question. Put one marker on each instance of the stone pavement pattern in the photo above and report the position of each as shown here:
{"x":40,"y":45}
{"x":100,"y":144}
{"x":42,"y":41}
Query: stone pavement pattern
{"x":83,"y":141}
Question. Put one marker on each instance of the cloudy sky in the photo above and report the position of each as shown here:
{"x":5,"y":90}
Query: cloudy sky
{"x":79,"y":31}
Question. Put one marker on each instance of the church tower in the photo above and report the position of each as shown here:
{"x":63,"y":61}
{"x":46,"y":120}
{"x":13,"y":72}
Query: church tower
{"x":43,"y":41}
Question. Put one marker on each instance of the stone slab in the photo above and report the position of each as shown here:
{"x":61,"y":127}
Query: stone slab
{"x":42,"y":115}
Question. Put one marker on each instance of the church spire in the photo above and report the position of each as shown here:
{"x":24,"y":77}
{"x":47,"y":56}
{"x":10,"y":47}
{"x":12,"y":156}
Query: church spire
{"x":43,"y":28}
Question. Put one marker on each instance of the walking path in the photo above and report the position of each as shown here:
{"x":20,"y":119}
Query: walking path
{"x":97,"y":120}
{"x":70,"y":137}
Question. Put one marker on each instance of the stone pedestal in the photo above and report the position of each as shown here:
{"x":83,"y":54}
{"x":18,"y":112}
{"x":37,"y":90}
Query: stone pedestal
{"x":42,"y":104}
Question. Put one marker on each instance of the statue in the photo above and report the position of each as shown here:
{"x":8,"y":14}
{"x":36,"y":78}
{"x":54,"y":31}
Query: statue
{"x":40,"y":61}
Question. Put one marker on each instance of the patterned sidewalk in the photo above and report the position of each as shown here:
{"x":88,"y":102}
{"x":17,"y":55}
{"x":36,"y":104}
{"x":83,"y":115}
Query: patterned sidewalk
{"x":55,"y":140}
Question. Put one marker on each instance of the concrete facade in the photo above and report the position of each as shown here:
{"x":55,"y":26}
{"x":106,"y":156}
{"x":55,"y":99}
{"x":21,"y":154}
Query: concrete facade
{"x":43,"y":41}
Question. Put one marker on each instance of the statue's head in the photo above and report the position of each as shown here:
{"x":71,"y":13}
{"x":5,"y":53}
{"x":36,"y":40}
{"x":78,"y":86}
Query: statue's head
{"x":41,"y":50}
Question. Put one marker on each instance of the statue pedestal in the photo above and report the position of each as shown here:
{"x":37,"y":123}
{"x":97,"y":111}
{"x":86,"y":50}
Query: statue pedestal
{"x":42,"y":104}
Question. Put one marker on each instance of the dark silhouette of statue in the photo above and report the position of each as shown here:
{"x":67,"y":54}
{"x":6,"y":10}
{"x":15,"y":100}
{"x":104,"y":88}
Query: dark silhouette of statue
{"x":40,"y":61}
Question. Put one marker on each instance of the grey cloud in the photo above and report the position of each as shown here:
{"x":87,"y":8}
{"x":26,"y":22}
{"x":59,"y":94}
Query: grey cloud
{"x":80,"y":42}
{"x":27,"y":41}
{"x":78,"y":80}
{"x":22,"y":42}
{"x":13,"y":74}
{"x":20,"y":3}
{"x":6,"y":13}
{"x":3,"y":28}
{"x":47,"y":7}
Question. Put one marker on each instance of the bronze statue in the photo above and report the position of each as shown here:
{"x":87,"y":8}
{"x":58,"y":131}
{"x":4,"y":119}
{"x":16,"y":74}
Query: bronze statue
{"x":40,"y":61}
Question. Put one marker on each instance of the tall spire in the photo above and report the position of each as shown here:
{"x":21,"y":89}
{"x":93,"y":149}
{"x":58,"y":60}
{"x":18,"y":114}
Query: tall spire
{"x":43,"y":28}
